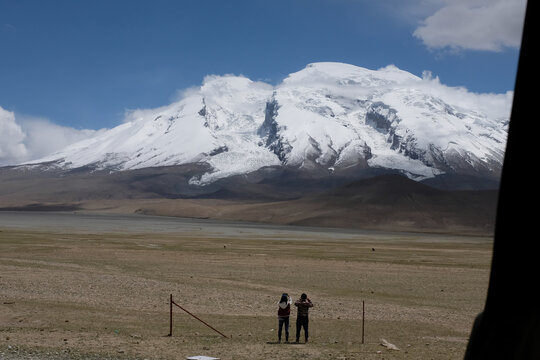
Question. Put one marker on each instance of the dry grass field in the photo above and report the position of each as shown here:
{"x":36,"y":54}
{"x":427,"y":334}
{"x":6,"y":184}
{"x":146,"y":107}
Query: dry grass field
{"x":69,"y":294}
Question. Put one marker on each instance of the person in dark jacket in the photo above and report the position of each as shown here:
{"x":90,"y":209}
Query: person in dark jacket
{"x":284,"y":310}
{"x":302,"y":320}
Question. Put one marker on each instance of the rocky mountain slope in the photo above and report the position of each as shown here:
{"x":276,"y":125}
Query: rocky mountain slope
{"x":329,"y":120}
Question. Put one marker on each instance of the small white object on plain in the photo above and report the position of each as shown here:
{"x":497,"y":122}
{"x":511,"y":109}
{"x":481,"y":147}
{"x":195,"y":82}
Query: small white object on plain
{"x":201,"y":357}
{"x":388,"y":345}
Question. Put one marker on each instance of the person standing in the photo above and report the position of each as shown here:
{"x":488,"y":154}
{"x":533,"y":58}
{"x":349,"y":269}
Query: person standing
{"x":302,"y":320}
{"x":284,"y":310}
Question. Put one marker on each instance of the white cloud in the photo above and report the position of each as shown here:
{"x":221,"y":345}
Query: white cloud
{"x":181,"y":94}
{"x":494,"y":106}
{"x":24,"y":138}
{"x":486,"y":25}
{"x":11,"y":138}
{"x":8,"y":28}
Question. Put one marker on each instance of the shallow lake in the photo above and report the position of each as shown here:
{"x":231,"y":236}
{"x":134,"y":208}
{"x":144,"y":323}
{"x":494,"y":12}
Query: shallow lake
{"x":134,"y":223}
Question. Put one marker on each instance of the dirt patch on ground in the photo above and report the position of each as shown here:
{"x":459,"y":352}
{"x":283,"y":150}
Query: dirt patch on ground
{"x":70,"y":295}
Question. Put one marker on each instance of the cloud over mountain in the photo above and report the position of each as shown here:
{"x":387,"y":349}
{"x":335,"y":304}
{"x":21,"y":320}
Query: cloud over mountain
{"x":24,"y":138}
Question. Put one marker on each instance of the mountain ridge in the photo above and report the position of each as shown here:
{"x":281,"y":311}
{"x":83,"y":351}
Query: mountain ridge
{"x":326,"y":120}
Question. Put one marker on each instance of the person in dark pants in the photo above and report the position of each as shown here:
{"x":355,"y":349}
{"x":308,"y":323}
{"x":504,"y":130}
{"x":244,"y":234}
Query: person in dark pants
{"x":284,"y":310}
{"x":302,"y":320}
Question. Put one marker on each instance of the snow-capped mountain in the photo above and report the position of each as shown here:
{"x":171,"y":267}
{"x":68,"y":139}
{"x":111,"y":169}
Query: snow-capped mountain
{"x":329,"y":117}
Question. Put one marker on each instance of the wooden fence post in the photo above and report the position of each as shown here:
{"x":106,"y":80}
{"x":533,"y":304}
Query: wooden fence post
{"x":363,"y":321}
{"x":170,"y":316}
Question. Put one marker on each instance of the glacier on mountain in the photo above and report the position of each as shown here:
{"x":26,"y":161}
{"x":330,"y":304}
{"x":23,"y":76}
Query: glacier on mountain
{"x":327,"y":117}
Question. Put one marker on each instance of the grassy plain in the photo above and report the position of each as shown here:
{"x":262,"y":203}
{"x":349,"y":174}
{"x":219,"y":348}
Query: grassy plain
{"x":69,"y":294}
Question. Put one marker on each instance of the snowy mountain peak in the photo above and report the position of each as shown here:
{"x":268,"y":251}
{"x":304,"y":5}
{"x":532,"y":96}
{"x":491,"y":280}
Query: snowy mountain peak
{"x":333,"y":73}
{"x":328,"y":117}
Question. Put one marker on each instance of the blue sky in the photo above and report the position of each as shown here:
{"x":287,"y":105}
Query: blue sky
{"x":82,"y":64}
